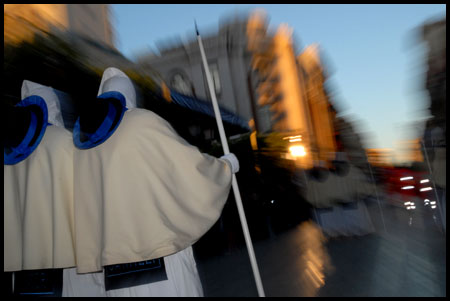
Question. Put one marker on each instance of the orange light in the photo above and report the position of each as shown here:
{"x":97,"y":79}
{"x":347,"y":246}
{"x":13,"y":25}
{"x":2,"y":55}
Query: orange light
{"x":297,"y":151}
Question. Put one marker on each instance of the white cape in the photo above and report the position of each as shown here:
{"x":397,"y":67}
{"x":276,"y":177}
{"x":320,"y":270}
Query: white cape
{"x":38,"y":206}
{"x":144,"y":193}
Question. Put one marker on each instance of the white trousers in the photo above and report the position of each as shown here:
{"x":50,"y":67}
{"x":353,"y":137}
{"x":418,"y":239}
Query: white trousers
{"x":183,"y":281}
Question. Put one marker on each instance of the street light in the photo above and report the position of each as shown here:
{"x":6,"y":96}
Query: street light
{"x":297,"y":151}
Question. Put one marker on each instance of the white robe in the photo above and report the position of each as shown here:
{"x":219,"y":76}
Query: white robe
{"x":144,"y":193}
{"x":38,"y":206}
{"x":182,"y":281}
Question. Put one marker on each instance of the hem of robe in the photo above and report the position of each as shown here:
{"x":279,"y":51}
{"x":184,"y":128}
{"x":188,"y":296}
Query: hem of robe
{"x":162,"y":252}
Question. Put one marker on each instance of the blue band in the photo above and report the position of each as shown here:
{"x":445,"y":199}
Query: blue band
{"x":106,"y":129}
{"x":19,"y":153}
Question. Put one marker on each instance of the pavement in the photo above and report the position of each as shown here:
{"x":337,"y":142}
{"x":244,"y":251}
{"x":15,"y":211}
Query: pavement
{"x":404,"y":257}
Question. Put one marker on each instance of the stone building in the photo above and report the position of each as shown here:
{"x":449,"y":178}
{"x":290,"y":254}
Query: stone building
{"x":260,"y":76}
{"x":180,"y":67}
{"x":88,"y":20}
{"x":87,"y":28}
{"x":433,"y":35}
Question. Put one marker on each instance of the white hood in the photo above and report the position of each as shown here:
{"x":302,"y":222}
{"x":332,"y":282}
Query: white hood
{"x":53,"y":106}
{"x":115,"y":80}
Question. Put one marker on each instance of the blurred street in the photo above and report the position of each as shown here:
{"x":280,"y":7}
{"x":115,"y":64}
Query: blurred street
{"x":407,"y":261}
{"x":335,"y":118}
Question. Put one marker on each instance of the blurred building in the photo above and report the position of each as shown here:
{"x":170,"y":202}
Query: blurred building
{"x":409,"y":151}
{"x":238,"y":83}
{"x":313,"y":76}
{"x":380,"y":157}
{"x":258,"y":75}
{"x":283,"y":103}
{"x":434,"y":36}
{"x":349,"y":141}
{"x":180,"y":66}
{"x":87,"y":28}
{"x":88,"y":20}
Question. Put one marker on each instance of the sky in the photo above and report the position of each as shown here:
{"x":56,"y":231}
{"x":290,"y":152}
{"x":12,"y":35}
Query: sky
{"x":377,"y":68}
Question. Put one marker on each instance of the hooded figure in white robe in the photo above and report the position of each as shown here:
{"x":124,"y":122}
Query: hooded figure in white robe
{"x":142,"y":192}
{"x":38,"y":186}
{"x":39,"y":215}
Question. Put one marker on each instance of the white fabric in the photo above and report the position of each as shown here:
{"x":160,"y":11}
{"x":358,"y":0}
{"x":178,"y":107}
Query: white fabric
{"x":83,"y":285}
{"x":233,"y":161}
{"x":182,"y":281}
{"x":53,"y":106}
{"x":115,"y":80}
{"x":144,"y":193}
{"x":38,"y":206}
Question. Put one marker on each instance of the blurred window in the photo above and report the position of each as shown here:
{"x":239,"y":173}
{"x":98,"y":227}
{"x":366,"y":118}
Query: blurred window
{"x":214,"y":69}
{"x":181,"y":84}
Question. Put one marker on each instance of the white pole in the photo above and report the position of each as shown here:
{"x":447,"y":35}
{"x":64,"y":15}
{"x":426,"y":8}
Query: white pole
{"x":237,"y":195}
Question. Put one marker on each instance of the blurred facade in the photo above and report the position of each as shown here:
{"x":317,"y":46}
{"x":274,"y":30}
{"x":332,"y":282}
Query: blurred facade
{"x":88,"y":20}
{"x":349,"y":141}
{"x":87,"y":28}
{"x":64,"y":46}
{"x":433,"y":34}
{"x":410,"y":151}
{"x":181,"y":68}
{"x":259,"y":76}
{"x":380,"y":157}
{"x":314,"y":77}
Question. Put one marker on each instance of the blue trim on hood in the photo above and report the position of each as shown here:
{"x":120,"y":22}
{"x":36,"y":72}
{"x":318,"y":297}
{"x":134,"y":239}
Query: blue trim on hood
{"x":23,"y":150}
{"x":104,"y":131}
